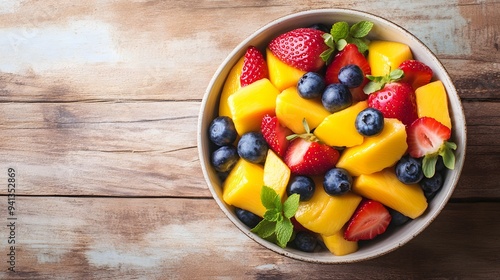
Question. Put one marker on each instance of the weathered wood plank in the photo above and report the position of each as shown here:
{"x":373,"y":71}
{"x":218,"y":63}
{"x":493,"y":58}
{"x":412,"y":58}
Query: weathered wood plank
{"x":105,"y":238}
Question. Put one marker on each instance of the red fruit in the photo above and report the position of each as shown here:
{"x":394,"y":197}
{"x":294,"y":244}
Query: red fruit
{"x":416,"y":73}
{"x":275,"y":134}
{"x":305,"y":157}
{"x":254,"y":67}
{"x":300,"y":48}
{"x":370,"y":219}
{"x":426,"y":136}
{"x":395,"y":100}
{"x":349,"y":55}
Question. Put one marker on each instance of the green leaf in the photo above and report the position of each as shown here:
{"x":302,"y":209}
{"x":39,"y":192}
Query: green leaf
{"x":291,"y":205}
{"x":451,"y":145}
{"x":362,"y":44}
{"x":284,"y":231}
{"x":340,"y":30}
{"x":341,"y":44}
{"x":396,"y":74}
{"x":448,"y":155}
{"x":372,"y":87}
{"x":264,"y":228}
{"x":429,"y":165}
{"x":270,"y":199}
{"x":361,"y":29}
{"x":272,"y":215}
{"x":326,"y":55}
{"x":329,"y":40}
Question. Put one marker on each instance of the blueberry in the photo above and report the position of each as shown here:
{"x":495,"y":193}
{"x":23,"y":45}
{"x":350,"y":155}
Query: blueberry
{"x":369,"y":122}
{"x":224,"y":158}
{"x":302,"y":185}
{"x":222,"y":131}
{"x":351,"y":76}
{"x":336,"y":97}
{"x":431,"y":185}
{"x":253,"y":147}
{"x":321,"y":27}
{"x":305,"y":241}
{"x":440,"y":164}
{"x":397,"y":218}
{"x":409,"y":170}
{"x":311,"y":85}
{"x":337,"y":181}
{"x":248,"y":218}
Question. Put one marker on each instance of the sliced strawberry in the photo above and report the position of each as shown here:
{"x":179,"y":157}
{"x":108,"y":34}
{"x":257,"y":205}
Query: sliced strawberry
{"x":254,"y":67}
{"x":370,"y":219}
{"x":304,"y":157}
{"x":426,"y":136}
{"x":349,"y":55}
{"x":416,"y":73}
{"x":300,"y":48}
{"x":275,"y":134}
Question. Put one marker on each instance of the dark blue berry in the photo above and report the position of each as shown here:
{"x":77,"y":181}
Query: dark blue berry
{"x":224,"y":158}
{"x":336,"y":97}
{"x":302,"y":185}
{"x":321,"y":27}
{"x":351,"y":76}
{"x":248,"y":218}
{"x":409,"y":170}
{"x":253,"y":147}
{"x":222,"y":131}
{"x":311,"y":85}
{"x":397,"y":218}
{"x":440,"y":164}
{"x":305,"y":241}
{"x":369,"y":122}
{"x":337,"y":181}
{"x":432,"y":185}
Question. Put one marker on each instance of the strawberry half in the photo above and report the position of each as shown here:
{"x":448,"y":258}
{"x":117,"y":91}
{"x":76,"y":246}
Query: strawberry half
{"x":300,"y":48}
{"x":349,"y":55}
{"x":370,"y":219}
{"x":275,"y":134}
{"x":416,"y":73}
{"x":254,"y":67}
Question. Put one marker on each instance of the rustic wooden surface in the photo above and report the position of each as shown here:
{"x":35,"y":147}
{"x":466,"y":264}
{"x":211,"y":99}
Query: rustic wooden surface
{"x":99,"y":103}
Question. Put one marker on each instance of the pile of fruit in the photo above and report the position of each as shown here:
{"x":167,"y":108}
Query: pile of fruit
{"x":325,"y":138}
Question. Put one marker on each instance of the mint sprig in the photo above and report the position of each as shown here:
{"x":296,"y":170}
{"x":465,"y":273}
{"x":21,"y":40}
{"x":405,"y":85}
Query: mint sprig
{"x":276,"y":224}
{"x":341,"y":34}
{"x":377,"y":82}
{"x":446,"y":152}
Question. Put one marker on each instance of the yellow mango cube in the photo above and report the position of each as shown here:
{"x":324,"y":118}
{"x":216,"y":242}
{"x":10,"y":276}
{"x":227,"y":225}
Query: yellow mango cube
{"x":385,"y":56}
{"x":243,"y":185}
{"x":251,"y":103}
{"x":326,"y":214}
{"x":291,"y":109}
{"x":276,"y":173}
{"x":339,"y":246}
{"x":281,"y":74}
{"x":432,"y":101}
{"x":376,"y":152}
{"x":339,"y":129}
{"x":386,"y":188}
{"x":231,"y":85}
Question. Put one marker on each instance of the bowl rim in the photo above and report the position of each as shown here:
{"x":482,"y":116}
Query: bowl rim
{"x":308,"y":257}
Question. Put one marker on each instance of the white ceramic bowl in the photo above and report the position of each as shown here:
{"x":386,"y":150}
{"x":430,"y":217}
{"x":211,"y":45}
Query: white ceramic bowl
{"x":385,"y":30}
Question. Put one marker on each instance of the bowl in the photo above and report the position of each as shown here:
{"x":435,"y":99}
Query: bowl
{"x":385,"y":30}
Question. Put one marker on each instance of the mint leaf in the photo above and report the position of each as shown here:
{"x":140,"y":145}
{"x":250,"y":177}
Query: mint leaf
{"x":361,"y":29}
{"x":341,"y":44}
{"x":284,"y":231}
{"x":264,"y":228}
{"x":429,"y":165}
{"x":291,"y":205}
{"x":272,"y":215}
{"x":362,"y":44}
{"x":270,"y":199}
{"x":340,"y":30}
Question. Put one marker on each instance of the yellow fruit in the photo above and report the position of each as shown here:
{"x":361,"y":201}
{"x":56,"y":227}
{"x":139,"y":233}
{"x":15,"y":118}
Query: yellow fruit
{"x":276,"y":173}
{"x":281,"y":74}
{"x":243,"y":185}
{"x":432,"y":102}
{"x":291,"y":109}
{"x":338,"y":129}
{"x":337,"y":245}
{"x":251,"y":103}
{"x":385,"y":56}
{"x":326,"y":214}
{"x":376,"y":152}
{"x":386,"y":188}
{"x":231,"y":85}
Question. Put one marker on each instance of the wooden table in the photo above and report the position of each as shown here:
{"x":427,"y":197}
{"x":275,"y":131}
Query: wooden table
{"x":99,"y":104}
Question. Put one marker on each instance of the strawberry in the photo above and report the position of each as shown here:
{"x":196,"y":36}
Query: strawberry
{"x":428,"y":137}
{"x":307,"y":156}
{"x":349,"y":55}
{"x":300,"y":48}
{"x":275,"y":134}
{"x":393,"y":98}
{"x":254,"y":67}
{"x":416,"y":73}
{"x":370,"y":219}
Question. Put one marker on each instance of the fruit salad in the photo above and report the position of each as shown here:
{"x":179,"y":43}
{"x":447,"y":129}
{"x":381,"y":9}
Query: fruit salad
{"x":325,"y":138}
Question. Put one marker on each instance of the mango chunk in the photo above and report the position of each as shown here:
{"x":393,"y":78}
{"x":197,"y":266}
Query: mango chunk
{"x":377,"y":152}
{"x":231,"y":85}
{"x":276,"y":173}
{"x":281,"y":74}
{"x":432,"y":101}
{"x":291,"y":109}
{"x":339,"y":246}
{"x":385,"y":187}
{"x":243,"y":185}
{"x":251,"y":103}
{"x":385,"y":56}
{"x":326,"y":214}
{"x":339,"y":129}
